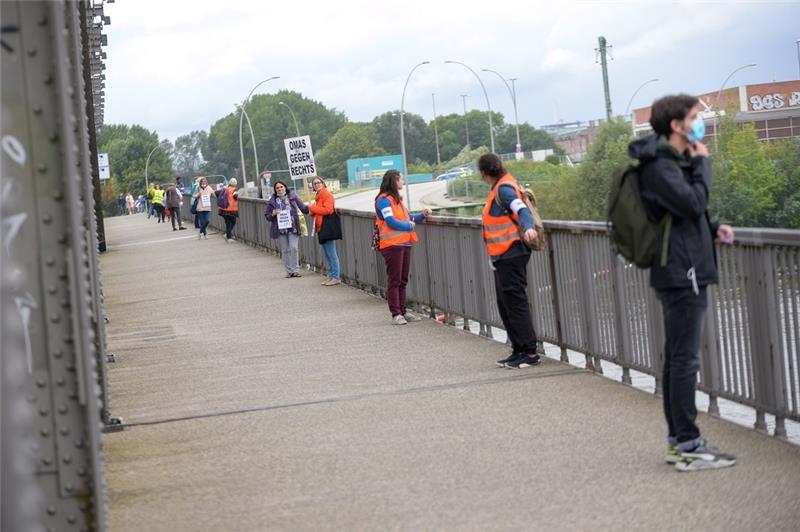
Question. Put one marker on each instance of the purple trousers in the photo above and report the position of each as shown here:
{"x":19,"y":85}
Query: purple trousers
{"x":398,"y":265}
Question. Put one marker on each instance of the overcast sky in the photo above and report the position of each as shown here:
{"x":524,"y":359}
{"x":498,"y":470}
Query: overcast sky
{"x":179,"y":65}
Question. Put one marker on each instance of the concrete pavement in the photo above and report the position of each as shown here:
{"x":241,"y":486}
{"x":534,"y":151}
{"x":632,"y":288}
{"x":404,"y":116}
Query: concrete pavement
{"x":262,"y":403}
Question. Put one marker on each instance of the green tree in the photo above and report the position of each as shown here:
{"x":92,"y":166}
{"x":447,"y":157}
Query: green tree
{"x":187,"y":157}
{"x":785,"y":156}
{"x":419,"y":143}
{"x":272,"y":123}
{"x":127,"y":148}
{"x":530,"y":138}
{"x":351,"y":142}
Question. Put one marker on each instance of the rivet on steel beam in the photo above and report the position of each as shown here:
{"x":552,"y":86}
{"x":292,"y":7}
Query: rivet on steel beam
{"x":62,"y":239}
{"x":82,"y":473}
{"x":48,"y":80}
{"x":58,"y":353}
{"x":43,"y":412}
{"x":47,"y":461}
{"x":71,"y":519}
{"x":64,"y":431}
{"x":45,"y":433}
{"x":79,"y":444}
{"x":43,"y":21}
{"x":41,"y":383}
{"x":65,"y":303}
{"x":37,"y":109}
{"x":62,"y":409}
{"x":47,"y":218}
{"x":58,"y":195}
{"x":50,"y":261}
{"x":67,"y":459}
{"x":53,"y":137}
{"x":42,"y":168}
{"x":61,"y":381}
{"x":51,"y":510}
{"x":52,"y":290}
{"x":55,"y":318}
{"x":32,"y":52}
{"x":68,"y":488}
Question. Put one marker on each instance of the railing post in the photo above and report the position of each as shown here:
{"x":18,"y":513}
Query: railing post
{"x":710,"y":367}
{"x":590,"y":309}
{"x":621,"y":324}
{"x":551,"y":261}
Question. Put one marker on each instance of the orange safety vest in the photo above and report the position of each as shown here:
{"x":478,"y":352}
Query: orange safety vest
{"x":499,"y":232}
{"x":390,"y":237}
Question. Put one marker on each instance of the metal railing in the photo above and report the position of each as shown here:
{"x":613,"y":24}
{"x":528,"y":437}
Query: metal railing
{"x":583,"y":298}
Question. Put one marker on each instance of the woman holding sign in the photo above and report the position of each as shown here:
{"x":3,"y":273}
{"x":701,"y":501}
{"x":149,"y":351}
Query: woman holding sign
{"x":202,"y":198}
{"x":282,"y":213}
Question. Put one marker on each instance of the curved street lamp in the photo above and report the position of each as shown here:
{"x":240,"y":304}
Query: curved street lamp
{"x":488,"y":105}
{"x":403,"y":134}
{"x":241,"y":146}
{"x":296,"y":128}
{"x":147,"y":163}
{"x":630,"y":102}
{"x":513,"y":94}
{"x":716,"y":106}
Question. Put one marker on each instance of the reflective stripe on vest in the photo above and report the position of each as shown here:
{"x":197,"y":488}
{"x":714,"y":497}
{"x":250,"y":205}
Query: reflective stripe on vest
{"x":499,"y":232}
{"x":392,"y":237}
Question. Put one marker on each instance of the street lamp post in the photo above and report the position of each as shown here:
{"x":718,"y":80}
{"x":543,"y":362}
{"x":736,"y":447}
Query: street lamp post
{"x":513,"y":94}
{"x":466,"y":122}
{"x":797,"y":42}
{"x":630,"y":102}
{"x":436,"y":131}
{"x":488,"y":105}
{"x":147,"y":164}
{"x":403,"y":134}
{"x":241,"y":146}
{"x":719,"y":94}
{"x":296,"y":127}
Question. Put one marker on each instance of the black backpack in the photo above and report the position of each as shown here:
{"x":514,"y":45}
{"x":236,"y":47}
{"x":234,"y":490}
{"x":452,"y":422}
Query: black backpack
{"x":632,"y":235}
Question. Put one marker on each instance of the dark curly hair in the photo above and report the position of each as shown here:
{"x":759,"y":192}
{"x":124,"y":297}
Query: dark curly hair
{"x":669,"y":108}
{"x":491,"y":165}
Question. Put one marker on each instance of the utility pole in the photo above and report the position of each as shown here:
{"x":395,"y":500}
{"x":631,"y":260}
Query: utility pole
{"x":436,"y":131}
{"x":466,"y":122}
{"x":603,"y":50}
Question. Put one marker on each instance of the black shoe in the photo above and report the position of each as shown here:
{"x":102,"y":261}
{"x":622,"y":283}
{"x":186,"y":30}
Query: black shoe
{"x":174,"y":229}
{"x":528,"y":360}
{"x":182,"y":228}
{"x":509,"y":358}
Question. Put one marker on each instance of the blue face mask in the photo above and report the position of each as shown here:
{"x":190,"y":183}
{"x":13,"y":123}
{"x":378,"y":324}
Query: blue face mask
{"x":698,"y":131}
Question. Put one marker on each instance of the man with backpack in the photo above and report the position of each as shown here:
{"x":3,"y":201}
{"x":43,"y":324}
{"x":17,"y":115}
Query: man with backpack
{"x":674,"y":179}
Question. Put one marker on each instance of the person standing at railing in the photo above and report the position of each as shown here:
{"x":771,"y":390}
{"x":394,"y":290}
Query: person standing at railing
{"x":397,"y":237}
{"x":231,"y":212}
{"x":322,"y":206}
{"x":503,"y":211}
{"x":675,"y":179}
{"x":282,"y":214}
{"x":202,"y":195}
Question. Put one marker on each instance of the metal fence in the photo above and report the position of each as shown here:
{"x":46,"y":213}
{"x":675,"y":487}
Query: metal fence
{"x":583,"y":298}
{"x":52,"y":370}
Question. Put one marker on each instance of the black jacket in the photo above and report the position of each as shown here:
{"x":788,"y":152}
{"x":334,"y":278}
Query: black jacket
{"x":670,"y":182}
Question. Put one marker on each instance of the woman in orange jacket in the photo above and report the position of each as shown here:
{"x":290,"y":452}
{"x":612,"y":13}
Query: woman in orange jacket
{"x":323,"y":205}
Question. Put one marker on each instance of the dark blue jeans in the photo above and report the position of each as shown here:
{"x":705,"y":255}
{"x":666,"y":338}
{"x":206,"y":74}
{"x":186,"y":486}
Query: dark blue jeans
{"x":683,"y":325}
{"x":203,"y":218}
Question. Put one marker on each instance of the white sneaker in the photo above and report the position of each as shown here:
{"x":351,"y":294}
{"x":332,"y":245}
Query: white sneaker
{"x":399,"y":320}
{"x":205,"y":237}
{"x":199,"y":236}
{"x":411,"y":317}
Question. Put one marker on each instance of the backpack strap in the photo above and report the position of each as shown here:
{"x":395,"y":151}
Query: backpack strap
{"x":502,"y":207}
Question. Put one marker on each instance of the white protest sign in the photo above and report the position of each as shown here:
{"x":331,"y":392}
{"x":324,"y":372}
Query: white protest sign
{"x":104,"y":173}
{"x":102,"y":159}
{"x":102,"y":166}
{"x":300,"y":157}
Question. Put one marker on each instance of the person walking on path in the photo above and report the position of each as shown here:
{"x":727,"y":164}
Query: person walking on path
{"x":397,"y":237}
{"x":121,"y":204}
{"x":151,"y":190}
{"x":231,"y":212}
{"x":504,"y":210}
{"x":282,"y":214}
{"x":129,"y":202}
{"x":202,"y":196}
{"x":141,"y":204}
{"x":174,"y":200}
{"x":158,"y":202}
{"x":675,"y":179}
{"x":322,"y":206}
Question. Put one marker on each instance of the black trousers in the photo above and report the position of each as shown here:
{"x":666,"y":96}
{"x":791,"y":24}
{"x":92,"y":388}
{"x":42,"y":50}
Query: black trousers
{"x":684,"y":312}
{"x":230,"y":222}
{"x":175,"y":216}
{"x":511,"y":283}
